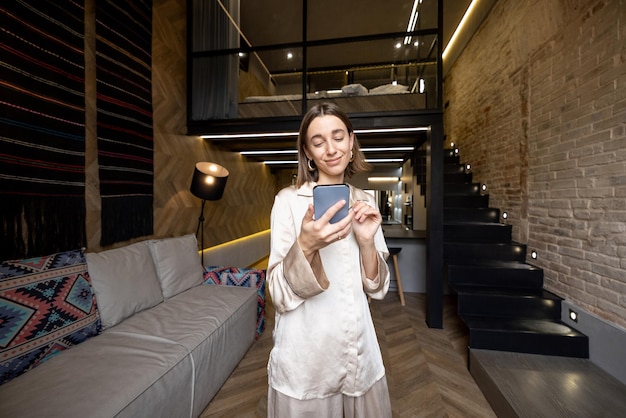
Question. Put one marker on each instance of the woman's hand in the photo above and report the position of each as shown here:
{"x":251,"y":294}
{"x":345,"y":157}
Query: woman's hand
{"x":366,"y":221}
{"x":316,"y":234}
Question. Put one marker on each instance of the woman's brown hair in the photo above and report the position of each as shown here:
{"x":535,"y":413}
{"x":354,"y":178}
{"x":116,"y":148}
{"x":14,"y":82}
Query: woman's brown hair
{"x":358,"y":163}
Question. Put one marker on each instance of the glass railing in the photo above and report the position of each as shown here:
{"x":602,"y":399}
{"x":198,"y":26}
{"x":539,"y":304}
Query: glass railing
{"x":230,"y":78}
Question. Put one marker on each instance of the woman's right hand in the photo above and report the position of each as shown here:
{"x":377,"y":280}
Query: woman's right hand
{"x":316,"y":234}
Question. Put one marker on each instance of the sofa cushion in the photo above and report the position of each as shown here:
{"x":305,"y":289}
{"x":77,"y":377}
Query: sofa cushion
{"x":47,"y":305}
{"x":125,"y":282}
{"x":244,"y":277}
{"x":216,"y":324}
{"x":113,"y":375}
{"x":177,"y":264}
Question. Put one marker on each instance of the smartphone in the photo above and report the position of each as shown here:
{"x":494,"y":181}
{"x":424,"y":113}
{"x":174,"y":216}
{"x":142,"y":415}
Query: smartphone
{"x":326,"y":195}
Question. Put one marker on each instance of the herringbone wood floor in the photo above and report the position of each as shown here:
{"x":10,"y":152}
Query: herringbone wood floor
{"x":426,"y":368}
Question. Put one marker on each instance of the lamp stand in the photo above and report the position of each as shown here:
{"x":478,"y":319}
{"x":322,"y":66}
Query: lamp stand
{"x":201,"y":224}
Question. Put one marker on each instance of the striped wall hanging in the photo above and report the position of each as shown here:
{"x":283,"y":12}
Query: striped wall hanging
{"x":124,"y":118}
{"x":42,"y":127}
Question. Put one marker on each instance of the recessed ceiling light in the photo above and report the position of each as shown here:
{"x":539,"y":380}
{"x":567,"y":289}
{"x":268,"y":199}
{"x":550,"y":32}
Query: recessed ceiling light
{"x":253,"y":135}
{"x":268,"y":152}
{"x":383,"y":160}
{"x":277,"y":162}
{"x":383,"y":178}
{"x":387,"y":149}
{"x":389,"y":130}
{"x":295,"y":134}
{"x":412,"y":22}
{"x":293,"y":151}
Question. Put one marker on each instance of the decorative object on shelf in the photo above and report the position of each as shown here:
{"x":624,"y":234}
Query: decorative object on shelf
{"x":208,"y":183}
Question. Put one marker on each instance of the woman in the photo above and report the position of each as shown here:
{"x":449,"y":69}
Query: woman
{"x":326,"y":361}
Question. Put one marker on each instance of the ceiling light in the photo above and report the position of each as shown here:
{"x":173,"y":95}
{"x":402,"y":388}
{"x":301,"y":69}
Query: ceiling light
{"x":422,"y":86}
{"x":269,"y":152}
{"x":369,"y":160}
{"x":253,"y":135}
{"x":383,"y":178}
{"x":295,"y":134}
{"x":383,"y":160}
{"x":459,"y":28}
{"x":293,"y":151}
{"x":289,"y":55}
{"x":387,"y":149}
{"x":276,"y":162}
{"x":389,"y":130}
{"x":398,"y":45}
{"x":412,"y":22}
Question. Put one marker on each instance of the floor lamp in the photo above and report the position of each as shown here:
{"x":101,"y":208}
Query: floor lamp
{"x":208,"y":183}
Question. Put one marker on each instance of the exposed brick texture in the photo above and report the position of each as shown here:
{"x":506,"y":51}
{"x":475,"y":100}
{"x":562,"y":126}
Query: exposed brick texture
{"x":537,"y":104}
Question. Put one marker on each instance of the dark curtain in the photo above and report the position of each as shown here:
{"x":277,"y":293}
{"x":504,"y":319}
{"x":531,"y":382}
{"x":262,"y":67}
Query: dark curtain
{"x":124,"y":118}
{"x":42,"y":127}
{"x":215,"y":79}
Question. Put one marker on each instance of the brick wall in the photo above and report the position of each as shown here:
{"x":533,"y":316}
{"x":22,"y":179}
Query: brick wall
{"x":537,"y":104}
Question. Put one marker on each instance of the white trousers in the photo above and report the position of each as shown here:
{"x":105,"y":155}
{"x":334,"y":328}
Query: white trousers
{"x":375,"y":403}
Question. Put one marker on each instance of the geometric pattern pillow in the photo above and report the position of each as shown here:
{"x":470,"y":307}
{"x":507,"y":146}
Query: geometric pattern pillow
{"x":47,"y":305}
{"x":245,"y":277}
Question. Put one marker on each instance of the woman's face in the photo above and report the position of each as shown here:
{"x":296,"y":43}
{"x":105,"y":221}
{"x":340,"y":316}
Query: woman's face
{"x":329,"y":145}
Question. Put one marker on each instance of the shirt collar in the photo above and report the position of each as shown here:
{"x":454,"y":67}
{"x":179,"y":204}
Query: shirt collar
{"x":307,"y":189}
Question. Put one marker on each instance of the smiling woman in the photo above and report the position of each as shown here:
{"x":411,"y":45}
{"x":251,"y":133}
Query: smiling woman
{"x":322,"y":272}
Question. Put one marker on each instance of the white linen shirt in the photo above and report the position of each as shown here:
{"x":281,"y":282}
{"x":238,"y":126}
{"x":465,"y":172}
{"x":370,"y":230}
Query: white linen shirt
{"x":324,"y":337}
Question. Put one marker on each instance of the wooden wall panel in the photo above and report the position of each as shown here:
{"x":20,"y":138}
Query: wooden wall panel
{"x":246,"y":204}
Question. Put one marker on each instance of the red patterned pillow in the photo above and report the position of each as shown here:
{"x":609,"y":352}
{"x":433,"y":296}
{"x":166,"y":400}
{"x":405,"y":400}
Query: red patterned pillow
{"x":245,"y":277}
{"x":47,"y":305}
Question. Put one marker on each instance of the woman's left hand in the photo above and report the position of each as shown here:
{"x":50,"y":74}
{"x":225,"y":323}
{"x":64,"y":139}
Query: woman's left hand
{"x":366,"y":221}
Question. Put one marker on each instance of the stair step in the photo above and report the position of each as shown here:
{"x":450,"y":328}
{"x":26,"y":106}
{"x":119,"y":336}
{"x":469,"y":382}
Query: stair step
{"x":533,"y":336}
{"x":466,"y":201}
{"x":461,"y":189}
{"x":471,"y":214}
{"x":511,"y":274}
{"x":451,"y":178}
{"x":561,"y":386}
{"x":453,"y":168}
{"x":476,"y":232}
{"x":506,"y":302}
{"x":471,"y":253}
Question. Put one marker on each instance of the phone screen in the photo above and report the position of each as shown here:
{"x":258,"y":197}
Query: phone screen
{"x":326,"y":195}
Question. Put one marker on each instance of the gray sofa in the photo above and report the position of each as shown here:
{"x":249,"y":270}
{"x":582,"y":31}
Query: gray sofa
{"x":168,"y":341}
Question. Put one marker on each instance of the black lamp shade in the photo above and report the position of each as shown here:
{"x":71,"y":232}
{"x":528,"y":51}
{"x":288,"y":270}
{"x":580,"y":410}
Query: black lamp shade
{"x":209,"y":181}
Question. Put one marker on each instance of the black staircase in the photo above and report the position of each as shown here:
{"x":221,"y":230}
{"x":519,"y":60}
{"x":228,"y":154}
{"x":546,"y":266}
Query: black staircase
{"x":501,"y":298}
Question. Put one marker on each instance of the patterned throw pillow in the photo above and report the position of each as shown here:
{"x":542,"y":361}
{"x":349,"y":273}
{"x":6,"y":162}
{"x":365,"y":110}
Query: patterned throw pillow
{"x":47,"y":305}
{"x":246,"y":277}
